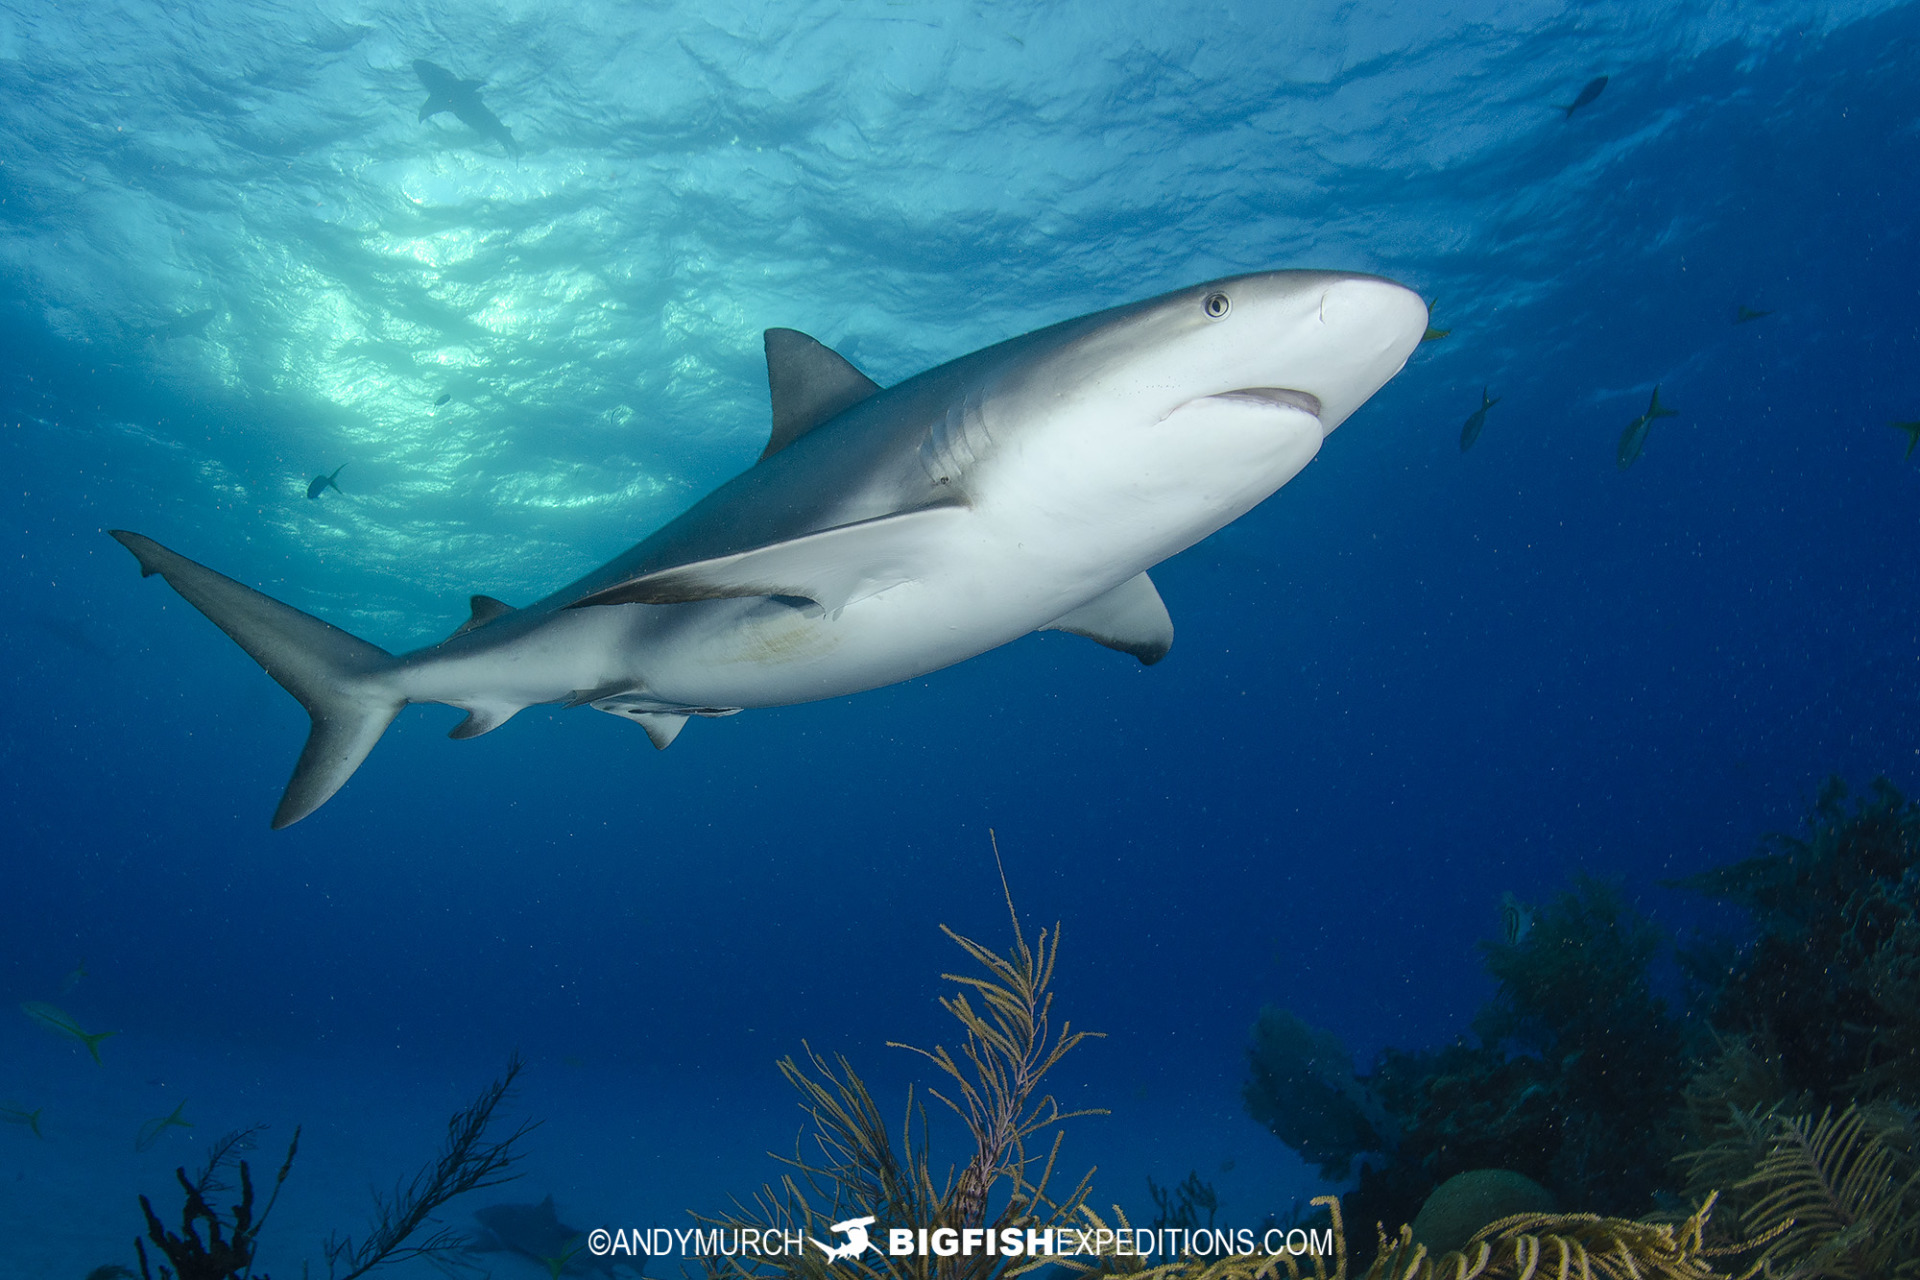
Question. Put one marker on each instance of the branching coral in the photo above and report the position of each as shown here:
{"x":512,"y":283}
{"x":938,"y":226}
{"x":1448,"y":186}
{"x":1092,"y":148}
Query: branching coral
{"x":1541,"y":1246}
{"x":1563,"y":1245}
{"x":993,"y":1084}
{"x":471,"y":1161}
{"x":1835,"y":1197}
{"x":213,"y":1246}
{"x":226,"y":1251}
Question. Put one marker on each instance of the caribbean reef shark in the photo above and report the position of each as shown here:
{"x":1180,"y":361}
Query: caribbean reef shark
{"x":886,"y":533}
{"x":447,"y":92}
{"x":535,"y":1231}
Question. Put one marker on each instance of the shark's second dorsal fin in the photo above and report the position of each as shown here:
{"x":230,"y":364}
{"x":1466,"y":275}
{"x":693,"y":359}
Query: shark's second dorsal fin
{"x":810,"y":383}
{"x":485,"y":610}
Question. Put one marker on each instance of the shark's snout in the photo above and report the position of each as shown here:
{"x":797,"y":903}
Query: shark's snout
{"x":1374,"y":305}
{"x":1367,"y":327}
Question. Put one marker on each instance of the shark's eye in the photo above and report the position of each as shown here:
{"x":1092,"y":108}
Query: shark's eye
{"x":1217,"y":305}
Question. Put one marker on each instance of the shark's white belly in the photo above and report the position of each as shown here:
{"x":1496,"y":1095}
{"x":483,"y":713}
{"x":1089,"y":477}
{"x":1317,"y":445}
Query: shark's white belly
{"x":1039,"y":547}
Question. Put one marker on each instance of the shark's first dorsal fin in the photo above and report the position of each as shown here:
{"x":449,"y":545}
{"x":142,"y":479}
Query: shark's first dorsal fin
{"x":485,"y":610}
{"x":810,"y":383}
{"x":1130,"y":618}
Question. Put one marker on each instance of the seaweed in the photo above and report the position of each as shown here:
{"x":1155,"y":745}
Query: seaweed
{"x":993,"y":1085}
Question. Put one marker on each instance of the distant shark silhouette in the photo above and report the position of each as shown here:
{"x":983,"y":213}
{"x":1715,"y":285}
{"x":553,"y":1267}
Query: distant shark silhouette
{"x":320,"y":484}
{"x":446,"y":92}
{"x":535,"y":1231}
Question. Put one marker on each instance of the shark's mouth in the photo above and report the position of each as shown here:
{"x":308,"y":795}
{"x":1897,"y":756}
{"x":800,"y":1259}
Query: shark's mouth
{"x":1279,"y":397}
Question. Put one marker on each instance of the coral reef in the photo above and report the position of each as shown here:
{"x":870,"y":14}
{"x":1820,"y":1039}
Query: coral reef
{"x":992,"y":1085}
{"x":1574,"y":1040}
{"x":1300,"y":1085}
{"x":213,"y":1246}
{"x":1786,"y":1086}
{"x":1829,"y":989}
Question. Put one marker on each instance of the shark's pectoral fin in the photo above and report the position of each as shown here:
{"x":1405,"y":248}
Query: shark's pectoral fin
{"x":809,"y":383}
{"x":436,"y":103}
{"x":832,"y":568}
{"x":1131,"y":618}
{"x":485,"y":610}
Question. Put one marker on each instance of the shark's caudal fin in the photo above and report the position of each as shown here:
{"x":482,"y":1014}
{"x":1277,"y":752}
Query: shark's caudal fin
{"x":336,"y":677}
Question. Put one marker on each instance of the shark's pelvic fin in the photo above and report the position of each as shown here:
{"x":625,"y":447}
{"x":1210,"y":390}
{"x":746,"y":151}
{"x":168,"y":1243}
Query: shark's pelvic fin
{"x":662,"y":726}
{"x":1131,"y":618}
{"x":810,"y":383}
{"x":832,"y":568}
{"x":482,"y":718}
{"x":335,"y":676}
{"x":485,"y":610}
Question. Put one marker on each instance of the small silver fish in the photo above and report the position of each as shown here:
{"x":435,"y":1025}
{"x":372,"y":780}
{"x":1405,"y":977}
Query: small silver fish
{"x":1471,"y":431}
{"x":63,"y":1025}
{"x":151,"y":1130}
{"x":1634,"y":438}
{"x":12,"y":1113}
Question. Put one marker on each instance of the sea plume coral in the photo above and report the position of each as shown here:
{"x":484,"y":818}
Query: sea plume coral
{"x":993,"y":1083}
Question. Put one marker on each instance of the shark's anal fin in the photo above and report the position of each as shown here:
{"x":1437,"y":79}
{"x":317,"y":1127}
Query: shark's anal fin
{"x":338,"y":678}
{"x":1131,"y":618}
{"x":485,"y":610}
{"x":832,"y":568}
{"x":809,"y":383}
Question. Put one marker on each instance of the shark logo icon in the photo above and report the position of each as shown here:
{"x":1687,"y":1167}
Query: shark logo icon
{"x":857,"y":1243}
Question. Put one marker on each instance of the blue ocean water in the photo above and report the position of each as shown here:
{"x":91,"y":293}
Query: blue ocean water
{"x":232,"y":259}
